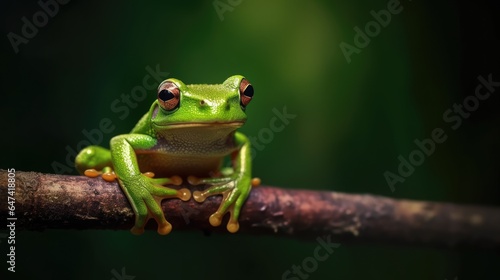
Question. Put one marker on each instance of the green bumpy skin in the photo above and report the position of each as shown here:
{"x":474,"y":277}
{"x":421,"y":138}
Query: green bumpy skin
{"x":187,"y":133}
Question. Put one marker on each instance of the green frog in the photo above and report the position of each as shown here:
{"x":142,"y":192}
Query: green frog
{"x":186,"y":134}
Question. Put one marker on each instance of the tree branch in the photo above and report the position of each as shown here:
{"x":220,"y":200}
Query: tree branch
{"x":47,"y":201}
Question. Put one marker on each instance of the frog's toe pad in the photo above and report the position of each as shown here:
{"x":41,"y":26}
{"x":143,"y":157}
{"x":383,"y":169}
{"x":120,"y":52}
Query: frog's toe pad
{"x":109,"y":176}
{"x":256,"y":182}
{"x":233,"y":226}
{"x":176,"y":180}
{"x":199,"y":196}
{"x":184,"y":194}
{"x":165,"y":228}
{"x":193,"y":180}
{"x":92,"y":173}
{"x":215,"y":219}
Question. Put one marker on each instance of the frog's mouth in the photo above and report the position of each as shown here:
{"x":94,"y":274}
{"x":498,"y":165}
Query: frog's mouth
{"x":214,"y":124}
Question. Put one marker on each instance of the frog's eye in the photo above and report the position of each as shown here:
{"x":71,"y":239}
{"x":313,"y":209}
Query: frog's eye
{"x":246,"y":92}
{"x":168,"y":96}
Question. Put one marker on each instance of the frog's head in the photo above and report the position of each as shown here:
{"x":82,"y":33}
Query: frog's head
{"x":179,"y":105}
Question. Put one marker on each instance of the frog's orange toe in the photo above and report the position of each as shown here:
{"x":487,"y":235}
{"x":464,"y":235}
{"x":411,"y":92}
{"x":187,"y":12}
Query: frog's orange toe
{"x":176,"y":180}
{"x":199,"y":196}
{"x":109,"y":176}
{"x":193,"y":180}
{"x":92,"y":173}
{"x":184,"y":194}
{"x":233,"y":226}
{"x":165,"y":228}
{"x":256,"y":182}
{"x":215,"y":219}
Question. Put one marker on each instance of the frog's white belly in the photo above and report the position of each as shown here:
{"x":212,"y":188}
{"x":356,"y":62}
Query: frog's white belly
{"x":197,"y":151}
{"x":166,"y":165}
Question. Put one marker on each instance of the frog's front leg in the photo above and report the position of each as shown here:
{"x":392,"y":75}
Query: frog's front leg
{"x":144,"y":193}
{"x":234,"y":188}
{"x":96,"y":160}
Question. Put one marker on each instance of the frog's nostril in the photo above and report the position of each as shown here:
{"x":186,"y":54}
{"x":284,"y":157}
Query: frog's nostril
{"x":202,"y":102}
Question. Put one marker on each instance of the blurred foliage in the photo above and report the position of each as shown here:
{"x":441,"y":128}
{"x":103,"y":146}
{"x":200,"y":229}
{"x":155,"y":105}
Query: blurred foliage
{"x":352,"y":121}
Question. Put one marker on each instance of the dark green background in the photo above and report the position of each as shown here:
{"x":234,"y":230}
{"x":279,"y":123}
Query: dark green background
{"x":353,"y":121}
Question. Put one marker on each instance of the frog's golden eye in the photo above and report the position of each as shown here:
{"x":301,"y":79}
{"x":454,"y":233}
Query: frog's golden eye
{"x":246,"y":92}
{"x":168,"y":96}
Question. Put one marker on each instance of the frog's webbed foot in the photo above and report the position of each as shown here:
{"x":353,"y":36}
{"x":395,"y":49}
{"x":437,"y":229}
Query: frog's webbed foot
{"x":234,"y":190}
{"x":145,"y":194}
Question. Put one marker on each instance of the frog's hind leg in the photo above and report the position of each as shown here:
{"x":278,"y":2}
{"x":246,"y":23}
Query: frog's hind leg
{"x":231,"y":200}
{"x":224,"y":186}
{"x":94,"y":161}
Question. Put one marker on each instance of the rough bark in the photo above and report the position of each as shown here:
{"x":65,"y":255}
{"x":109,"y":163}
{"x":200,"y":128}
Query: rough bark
{"x":47,"y":201}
